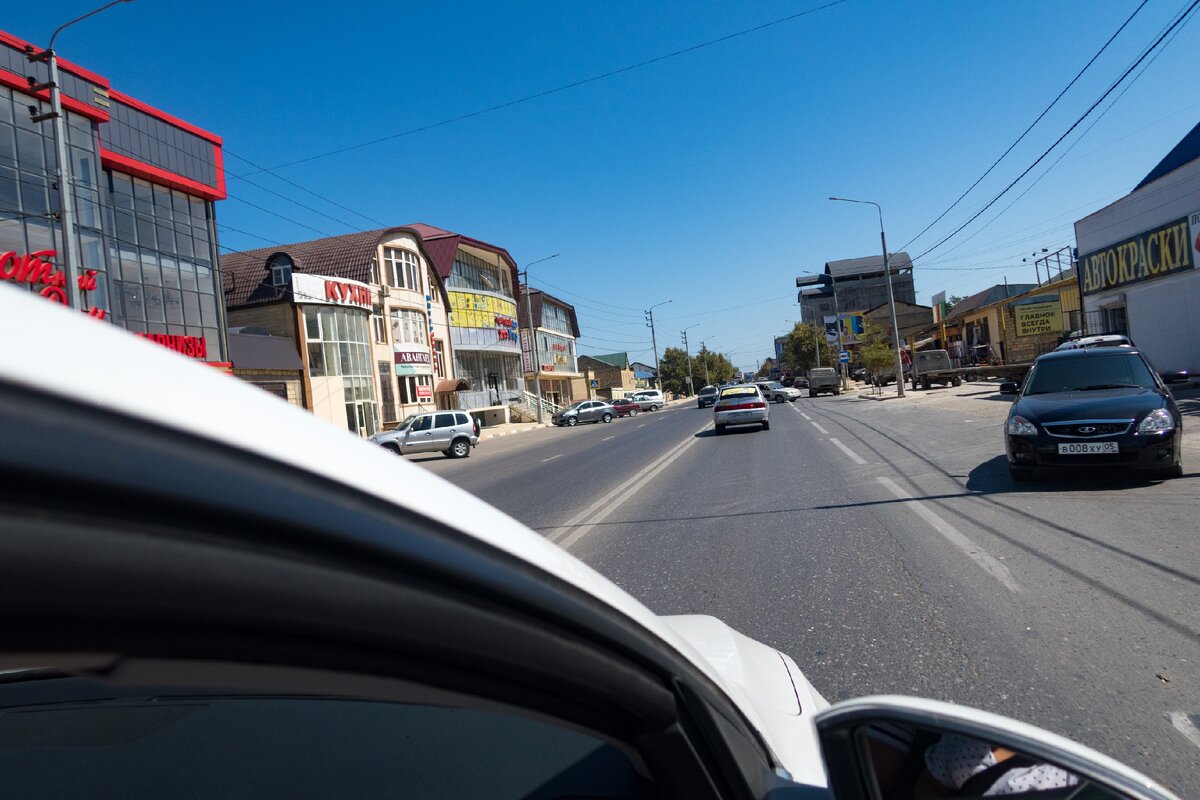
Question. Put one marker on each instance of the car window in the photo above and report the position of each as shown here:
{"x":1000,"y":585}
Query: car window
{"x":739,"y":391}
{"x":422,"y":423}
{"x":1101,"y":371}
{"x":463,"y":419}
{"x":175,"y":743}
{"x":444,"y":421}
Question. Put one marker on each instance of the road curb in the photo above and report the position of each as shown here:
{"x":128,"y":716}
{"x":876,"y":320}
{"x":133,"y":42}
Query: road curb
{"x":497,"y":434}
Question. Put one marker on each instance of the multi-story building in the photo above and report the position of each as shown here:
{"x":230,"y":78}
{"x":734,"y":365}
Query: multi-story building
{"x":481,"y":284}
{"x":366,"y":311}
{"x":859,"y":284}
{"x":555,"y":329}
{"x":144,"y":185}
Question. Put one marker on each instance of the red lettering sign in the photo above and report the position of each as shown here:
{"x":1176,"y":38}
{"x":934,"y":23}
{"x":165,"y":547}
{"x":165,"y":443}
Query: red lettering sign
{"x":190,"y":346}
{"x":36,"y":268}
{"x":338,"y":292}
{"x":424,"y":391}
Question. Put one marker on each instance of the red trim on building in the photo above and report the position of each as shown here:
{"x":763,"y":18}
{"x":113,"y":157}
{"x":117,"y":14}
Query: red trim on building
{"x":121,"y":97}
{"x":19,"y":83}
{"x":74,"y":69}
{"x":219,"y":163}
{"x":125,"y":164}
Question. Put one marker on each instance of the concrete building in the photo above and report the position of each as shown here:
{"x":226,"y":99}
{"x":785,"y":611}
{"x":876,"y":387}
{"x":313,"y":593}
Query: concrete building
{"x":611,"y":375}
{"x":860,"y":284}
{"x":555,"y":329}
{"x":367,"y":313}
{"x":973,"y":329}
{"x":1138,"y":257}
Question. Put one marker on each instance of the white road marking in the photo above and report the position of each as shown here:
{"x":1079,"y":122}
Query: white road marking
{"x":606,"y":438}
{"x":855,"y":457}
{"x":817,"y":425}
{"x":644,"y":424}
{"x":985,"y":560}
{"x":551,"y":458}
{"x":806,"y":416}
{"x":579,"y":525}
{"x":1184,"y":725}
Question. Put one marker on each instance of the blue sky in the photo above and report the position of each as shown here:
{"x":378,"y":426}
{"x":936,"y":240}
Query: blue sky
{"x":700,"y":179}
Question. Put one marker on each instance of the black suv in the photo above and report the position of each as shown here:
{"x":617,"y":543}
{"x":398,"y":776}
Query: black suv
{"x":707,"y":397}
{"x":1100,"y":407}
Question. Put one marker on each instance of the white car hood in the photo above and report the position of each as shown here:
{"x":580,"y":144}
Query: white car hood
{"x":114,"y":370}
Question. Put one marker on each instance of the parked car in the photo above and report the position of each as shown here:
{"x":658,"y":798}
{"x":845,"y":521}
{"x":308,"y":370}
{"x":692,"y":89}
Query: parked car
{"x":823,"y":379}
{"x":1106,"y":340}
{"x":741,"y":404}
{"x":453,"y":433}
{"x":799,"y":382}
{"x":1094,"y":407}
{"x":707,"y":397}
{"x":224,"y":608}
{"x":583,"y":411}
{"x":650,"y":399}
{"x":626,"y":407}
{"x":932,"y":366}
{"x":859,"y":374}
{"x":779,"y":393}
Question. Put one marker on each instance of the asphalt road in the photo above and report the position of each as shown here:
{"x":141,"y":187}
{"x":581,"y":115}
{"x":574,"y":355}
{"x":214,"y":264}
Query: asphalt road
{"x":884,"y":547}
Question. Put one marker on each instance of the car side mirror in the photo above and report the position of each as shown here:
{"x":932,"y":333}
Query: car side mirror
{"x":1010,"y":387}
{"x":904,"y":748}
{"x":1178,"y":376}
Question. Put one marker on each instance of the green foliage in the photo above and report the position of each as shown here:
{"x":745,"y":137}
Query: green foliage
{"x":719,"y":368}
{"x":801,"y":346}
{"x":673,"y":370}
{"x":874,"y":351}
{"x":765,"y":370}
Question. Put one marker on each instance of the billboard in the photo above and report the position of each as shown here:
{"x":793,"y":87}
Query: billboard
{"x":1035,"y":319}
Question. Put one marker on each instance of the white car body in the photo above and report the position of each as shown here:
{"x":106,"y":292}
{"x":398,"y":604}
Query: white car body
{"x":137,"y":380}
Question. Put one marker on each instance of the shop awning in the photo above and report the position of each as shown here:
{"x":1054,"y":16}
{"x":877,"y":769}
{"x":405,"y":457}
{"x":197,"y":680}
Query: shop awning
{"x":452,"y":385}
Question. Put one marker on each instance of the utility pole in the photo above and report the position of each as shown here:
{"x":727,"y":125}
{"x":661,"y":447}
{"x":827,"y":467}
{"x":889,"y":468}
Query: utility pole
{"x":654,"y":341}
{"x":66,"y":195}
{"x":704,"y":353}
{"x":688,"y":355}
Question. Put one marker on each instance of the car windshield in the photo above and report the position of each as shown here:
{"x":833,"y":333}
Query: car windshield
{"x":375,"y":218}
{"x":1090,"y":373}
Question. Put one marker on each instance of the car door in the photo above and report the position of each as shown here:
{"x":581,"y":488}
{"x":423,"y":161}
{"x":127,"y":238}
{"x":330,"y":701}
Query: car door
{"x":419,"y":437}
{"x":445,"y":427}
{"x":590,"y":412}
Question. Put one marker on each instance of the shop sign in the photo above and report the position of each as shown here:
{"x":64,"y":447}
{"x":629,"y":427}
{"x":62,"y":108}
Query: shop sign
{"x":424,"y":392}
{"x":413,"y":362}
{"x":562,"y":348}
{"x":547,"y":368}
{"x":1166,"y":250}
{"x":1034,"y":319}
{"x":36,"y":269}
{"x":478,"y":310}
{"x":331,"y":291}
{"x":191,"y":346}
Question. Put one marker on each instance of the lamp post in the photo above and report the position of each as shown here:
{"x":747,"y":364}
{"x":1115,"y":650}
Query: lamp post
{"x":654,"y":340}
{"x":688,"y":355}
{"x":534,"y":361}
{"x":887,"y":270}
{"x":66,"y":198}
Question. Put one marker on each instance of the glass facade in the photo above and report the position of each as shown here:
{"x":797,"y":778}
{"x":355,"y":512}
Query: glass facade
{"x":153,"y":248}
{"x":473,"y":273}
{"x":339,"y":346}
{"x":556,"y":352}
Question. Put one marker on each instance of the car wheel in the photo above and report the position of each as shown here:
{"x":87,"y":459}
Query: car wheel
{"x":572,"y":421}
{"x":607,"y":417}
{"x":654,"y":406}
{"x":633,"y":412}
{"x":956,"y":382}
{"x":1020,"y":474}
{"x":811,"y":393}
{"x":461,"y":448}
{"x":392,"y":447}
{"x":925,"y":385}
{"x":766,"y":425}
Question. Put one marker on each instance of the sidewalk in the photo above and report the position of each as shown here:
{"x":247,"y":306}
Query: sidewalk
{"x":508,"y":429}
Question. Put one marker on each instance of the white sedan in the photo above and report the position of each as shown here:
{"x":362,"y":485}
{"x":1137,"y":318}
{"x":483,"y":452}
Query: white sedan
{"x":205,"y":591}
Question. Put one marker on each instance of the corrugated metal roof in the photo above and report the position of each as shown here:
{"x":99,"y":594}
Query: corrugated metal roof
{"x":871,"y":265}
{"x":989,"y":296}
{"x":253,"y":351}
{"x":536,"y":298}
{"x":1185,"y":152}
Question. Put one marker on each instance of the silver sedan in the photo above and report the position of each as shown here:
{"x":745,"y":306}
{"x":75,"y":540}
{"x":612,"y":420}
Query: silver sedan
{"x":742,"y":404}
{"x":584,"y":411}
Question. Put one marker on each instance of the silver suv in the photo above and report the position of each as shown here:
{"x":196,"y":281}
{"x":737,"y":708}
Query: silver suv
{"x":649,"y":399}
{"x":453,"y":433}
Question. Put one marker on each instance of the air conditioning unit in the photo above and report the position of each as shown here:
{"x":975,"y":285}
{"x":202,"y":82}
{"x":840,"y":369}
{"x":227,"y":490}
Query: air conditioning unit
{"x":384,"y":291}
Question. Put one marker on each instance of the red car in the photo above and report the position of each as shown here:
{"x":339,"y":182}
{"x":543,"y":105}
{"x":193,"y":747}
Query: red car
{"x":626,"y":407}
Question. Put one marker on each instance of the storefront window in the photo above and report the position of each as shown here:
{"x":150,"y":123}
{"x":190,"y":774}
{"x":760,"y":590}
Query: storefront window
{"x":341,"y":348}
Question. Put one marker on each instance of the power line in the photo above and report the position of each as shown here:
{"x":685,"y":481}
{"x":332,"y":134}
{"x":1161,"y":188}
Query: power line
{"x":1067,"y":133}
{"x":1024,"y":133}
{"x":557,"y":89}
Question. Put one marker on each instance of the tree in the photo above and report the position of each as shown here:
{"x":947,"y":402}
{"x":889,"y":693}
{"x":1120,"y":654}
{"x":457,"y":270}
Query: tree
{"x":712,"y":367}
{"x":800,"y":348}
{"x":673,"y":370}
{"x":765,"y":370}
{"x":874,"y":351}
{"x":952,"y":301}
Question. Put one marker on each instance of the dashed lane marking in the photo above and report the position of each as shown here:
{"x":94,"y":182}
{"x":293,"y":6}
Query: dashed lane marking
{"x":606,"y":438}
{"x":551,"y":458}
{"x":806,"y":416}
{"x":981,"y":557}
{"x":855,"y":457}
{"x":817,"y":425}
{"x":1183,"y":723}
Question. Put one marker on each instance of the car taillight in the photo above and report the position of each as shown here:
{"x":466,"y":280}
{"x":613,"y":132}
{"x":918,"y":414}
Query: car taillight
{"x":740,"y":406}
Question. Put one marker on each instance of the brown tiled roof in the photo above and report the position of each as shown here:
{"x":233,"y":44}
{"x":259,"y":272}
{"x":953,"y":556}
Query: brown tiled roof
{"x":247,"y":281}
{"x":442,"y":245}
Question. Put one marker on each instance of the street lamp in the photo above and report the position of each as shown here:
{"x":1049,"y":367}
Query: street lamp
{"x":654,"y":339}
{"x":534,"y":361}
{"x":887,"y":270}
{"x":66,"y":199}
